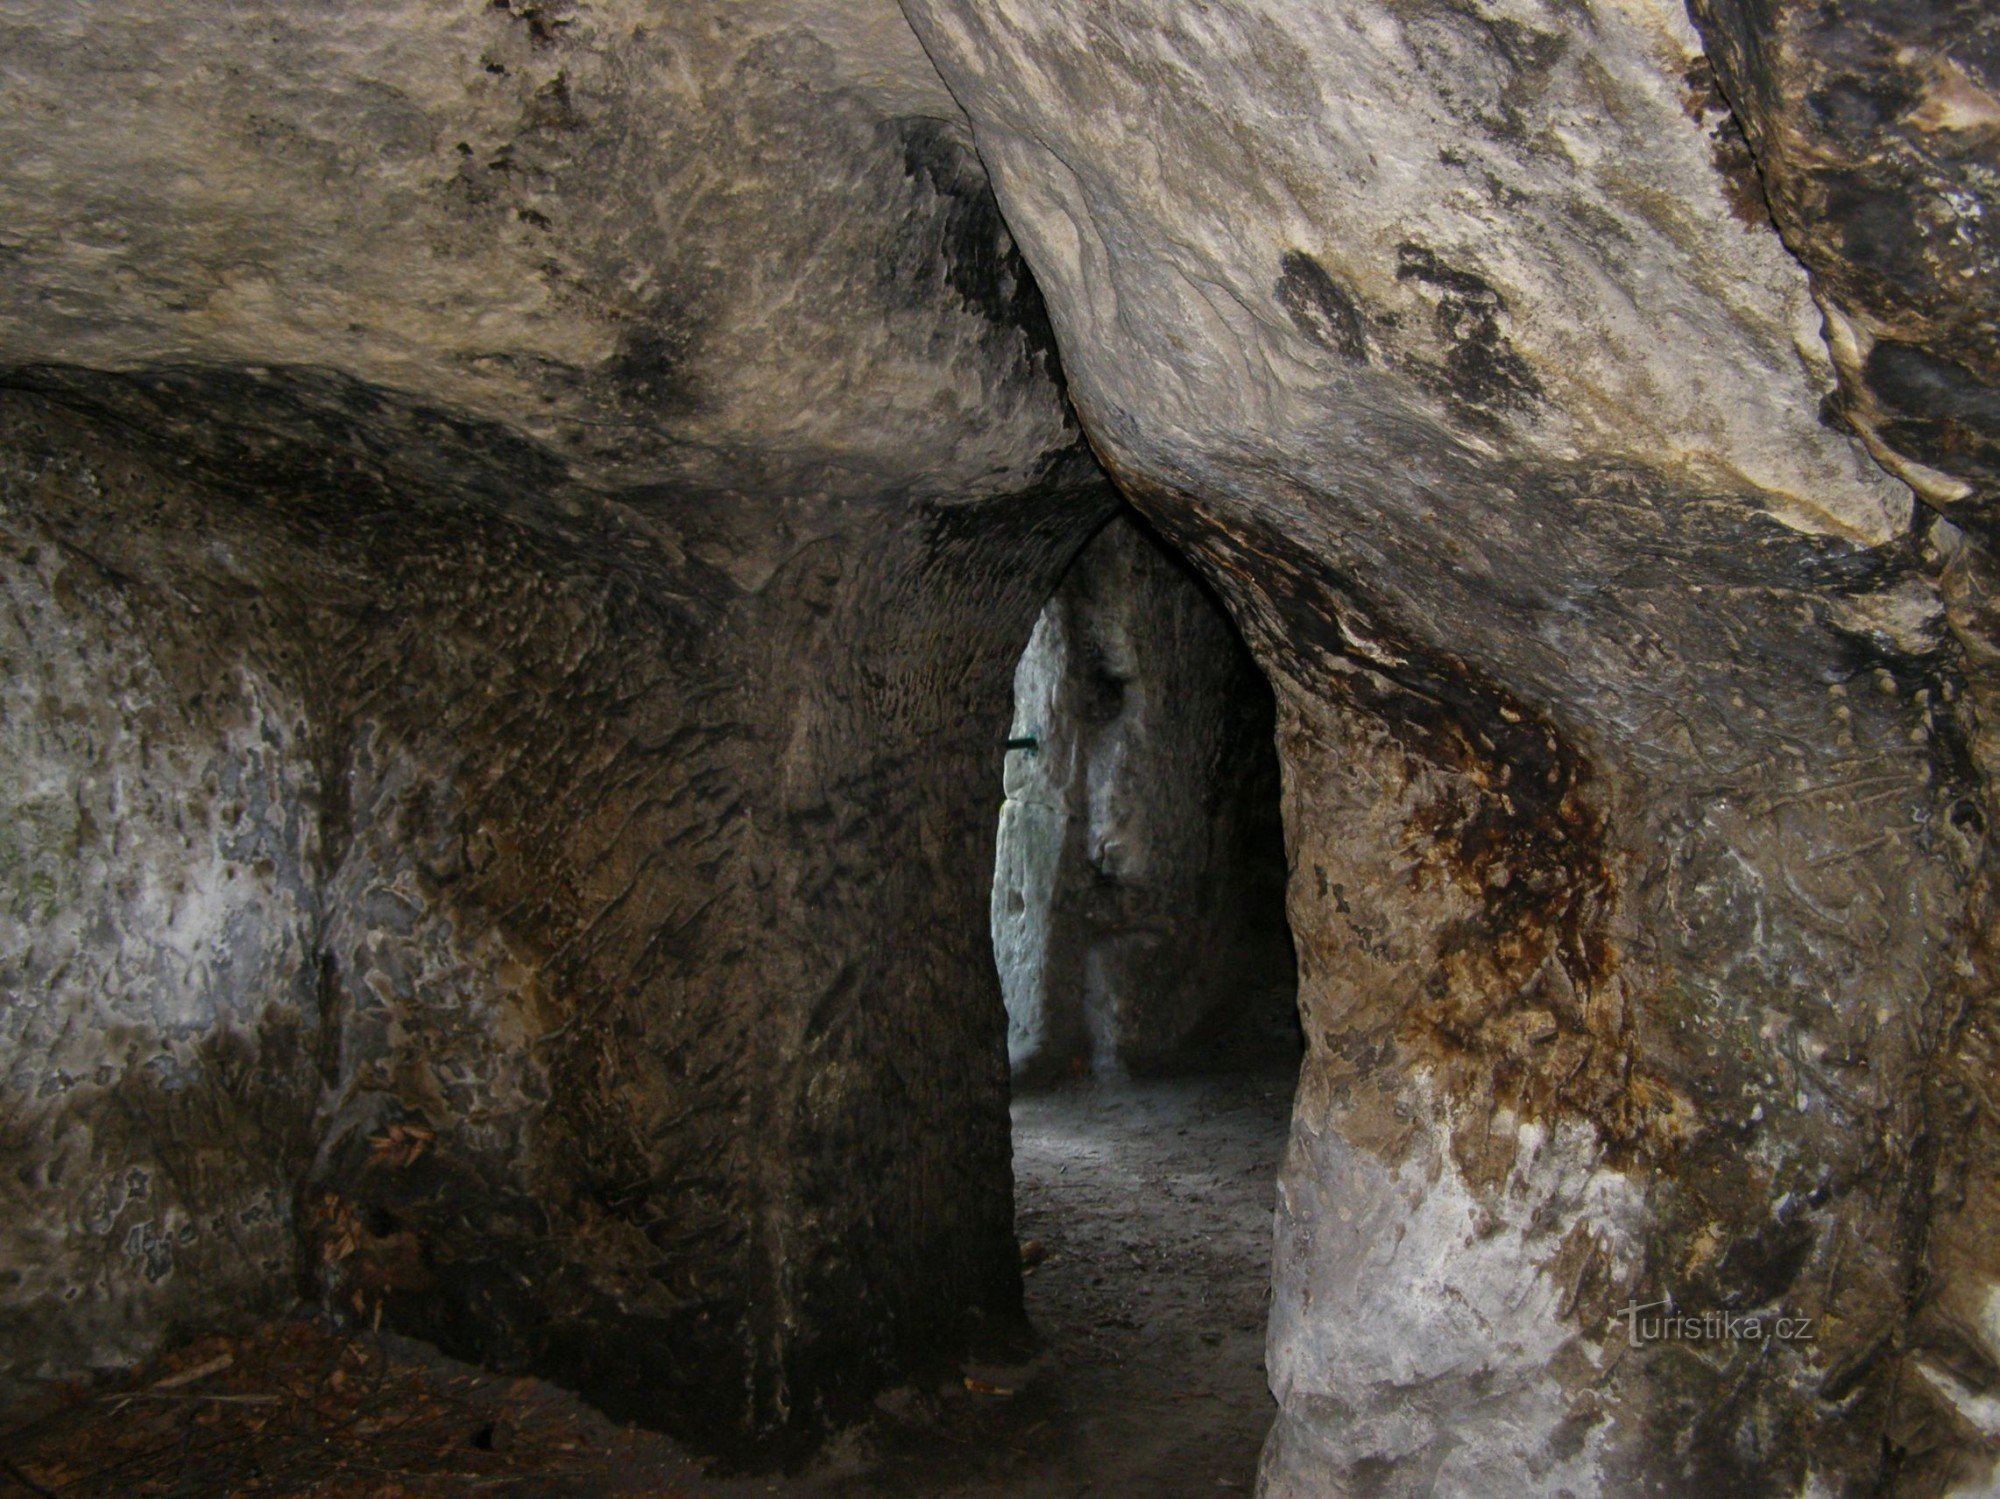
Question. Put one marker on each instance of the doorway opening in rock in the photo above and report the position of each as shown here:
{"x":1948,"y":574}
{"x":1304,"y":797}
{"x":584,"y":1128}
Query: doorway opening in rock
{"x":1139,"y":932}
{"x":1139,"y":883}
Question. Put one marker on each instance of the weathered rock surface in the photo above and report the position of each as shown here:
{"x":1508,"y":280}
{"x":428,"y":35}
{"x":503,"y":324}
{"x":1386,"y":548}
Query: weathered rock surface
{"x":1635,"y":829}
{"x":519,"y":522}
{"x":507,"y":903}
{"x":1876,"y":129}
{"x":664,"y":249}
{"x":157,"y":960}
{"x":1140,"y":870}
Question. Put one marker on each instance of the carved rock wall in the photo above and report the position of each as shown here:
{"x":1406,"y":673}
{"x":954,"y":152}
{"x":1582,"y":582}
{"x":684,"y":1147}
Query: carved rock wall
{"x":157,"y":955}
{"x":553,"y":992}
{"x":1635,"y":824}
{"x":520,"y":519}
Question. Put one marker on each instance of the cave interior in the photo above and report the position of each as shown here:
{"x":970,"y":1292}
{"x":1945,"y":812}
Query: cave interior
{"x":940,"y":748}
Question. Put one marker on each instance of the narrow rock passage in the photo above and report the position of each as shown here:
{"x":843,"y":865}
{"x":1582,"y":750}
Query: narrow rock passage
{"x":1154,"y":1203}
{"x":1150,"y":1204}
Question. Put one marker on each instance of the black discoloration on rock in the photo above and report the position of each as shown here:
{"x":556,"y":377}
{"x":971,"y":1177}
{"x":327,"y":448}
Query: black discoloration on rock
{"x":1481,"y":375}
{"x":1498,"y":97}
{"x":544,"y":19}
{"x":975,"y":253}
{"x":1936,"y":410}
{"x":652,"y":370}
{"x":1320,"y":307}
{"x":1873,"y":125}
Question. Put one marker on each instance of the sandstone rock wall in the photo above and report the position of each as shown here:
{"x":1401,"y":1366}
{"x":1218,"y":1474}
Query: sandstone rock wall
{"x":1141,"y":868}
{"x":504,"y":890}
{"x":158,"y":945}
{"x":1636,"y":826}
{"x":519,"y":520}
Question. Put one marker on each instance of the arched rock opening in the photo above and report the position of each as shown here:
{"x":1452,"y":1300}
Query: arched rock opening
{"x":519,"y":520}
{"x":1138,"y":892}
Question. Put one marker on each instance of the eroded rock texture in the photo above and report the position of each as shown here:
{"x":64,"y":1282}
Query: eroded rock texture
{"x":519,"y":522}
{"x":1875,"y":130}
{"x":1636,"y":832}
{"x":1140,"y":873}
{"x":518,"y":519}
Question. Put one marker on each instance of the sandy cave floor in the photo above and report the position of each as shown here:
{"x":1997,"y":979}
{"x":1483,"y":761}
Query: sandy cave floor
{"x":1147,"y":1208}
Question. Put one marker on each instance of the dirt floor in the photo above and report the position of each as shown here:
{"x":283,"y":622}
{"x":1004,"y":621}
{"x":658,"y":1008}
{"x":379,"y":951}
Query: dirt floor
{"x":1153,"y":1204}
{"x":1145,"y":1214}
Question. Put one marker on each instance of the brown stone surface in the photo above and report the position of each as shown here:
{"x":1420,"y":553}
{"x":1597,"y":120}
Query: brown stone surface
{"x":1635,"y":822}
{"x":517,"y":521}
{"x":1876,"y":131}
